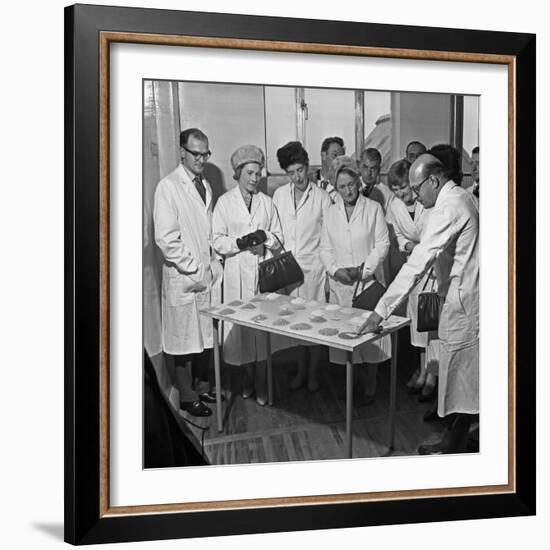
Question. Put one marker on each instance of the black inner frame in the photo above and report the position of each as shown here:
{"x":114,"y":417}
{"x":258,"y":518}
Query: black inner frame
{"x":82,"y":522}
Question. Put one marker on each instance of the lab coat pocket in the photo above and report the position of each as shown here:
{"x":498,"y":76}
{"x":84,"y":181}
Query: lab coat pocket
{"x":455,"y":325}
{"x":191,"y":282}
{"x":178,"y":292}
{"x":470,"y":307}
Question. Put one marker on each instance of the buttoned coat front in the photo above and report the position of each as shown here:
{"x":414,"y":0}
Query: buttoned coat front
{"x":361,"y":240}
{"x":232,"y":220}
{"x":301,"y":226}
{"x":453,"y":229}
{"x":191,"y":274}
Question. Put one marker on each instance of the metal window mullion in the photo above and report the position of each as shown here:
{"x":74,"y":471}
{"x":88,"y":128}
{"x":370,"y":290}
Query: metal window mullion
{"x":300,"y":105}
{"x":359,"y":122}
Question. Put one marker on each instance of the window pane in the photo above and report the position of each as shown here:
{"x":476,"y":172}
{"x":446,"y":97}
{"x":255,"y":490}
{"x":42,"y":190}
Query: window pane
{"x":377,"y":126}
{"x":230,"y":115}
{"x":329,"y":113}
{"x":280,"y":113}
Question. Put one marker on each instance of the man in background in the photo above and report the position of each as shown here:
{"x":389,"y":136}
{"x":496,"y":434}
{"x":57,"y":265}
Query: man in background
{"x":191,"y":274}
{"x":371,"y":184}
{"x":331,"y":148}
{"x":413,"y":150}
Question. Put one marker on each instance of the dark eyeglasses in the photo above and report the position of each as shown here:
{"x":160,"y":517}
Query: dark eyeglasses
{"x":197,"y":154}
{"x":416,"y":188}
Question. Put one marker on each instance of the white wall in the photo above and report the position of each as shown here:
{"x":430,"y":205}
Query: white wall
{"x":31,"y":224}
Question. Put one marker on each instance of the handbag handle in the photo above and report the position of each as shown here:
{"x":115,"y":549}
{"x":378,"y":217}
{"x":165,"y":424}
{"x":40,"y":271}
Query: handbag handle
{"x":282,"y":245}
{"x":358,"y":280}
{"x":427,"y":279}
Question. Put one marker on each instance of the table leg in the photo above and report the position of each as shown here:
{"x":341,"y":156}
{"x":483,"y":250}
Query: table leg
{"x":217,"y":374}
{"x":349,"y":403}
{"x":269,"y":369}
{"x":393,"y":388}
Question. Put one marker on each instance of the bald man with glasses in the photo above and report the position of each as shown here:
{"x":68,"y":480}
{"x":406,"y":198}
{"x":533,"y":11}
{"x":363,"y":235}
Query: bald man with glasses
{"x":450,"y":242}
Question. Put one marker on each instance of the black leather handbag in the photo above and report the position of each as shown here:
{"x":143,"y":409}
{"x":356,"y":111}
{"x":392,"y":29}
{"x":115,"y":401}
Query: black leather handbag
{"x":279,"y":272}
{"x":428,"y":307}
{"x":369,"y":296}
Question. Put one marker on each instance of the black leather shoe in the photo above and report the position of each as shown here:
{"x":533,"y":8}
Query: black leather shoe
{"x":209,"y":397}
{"x":195,"y":408}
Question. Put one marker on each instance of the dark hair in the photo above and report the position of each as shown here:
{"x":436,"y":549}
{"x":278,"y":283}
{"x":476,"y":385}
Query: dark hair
{"x":451,"y":160}
{"x":475,"y":150}
{"x":372,"y":154}
{"x":292,"y":153}
{"x":398,"y":172}
{"x":192,"y":132}
{"x":327,"y":142}
{"x":415,"y":143}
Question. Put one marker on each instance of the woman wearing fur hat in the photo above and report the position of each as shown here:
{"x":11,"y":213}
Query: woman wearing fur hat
{"x":245,"y":228}
{"x":301,"y":205}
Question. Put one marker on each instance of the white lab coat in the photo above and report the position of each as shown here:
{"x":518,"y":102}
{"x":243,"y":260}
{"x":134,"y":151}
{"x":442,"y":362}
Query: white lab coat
{"x":364,"y":239}
{"x":384,"y":196}
{"x":191,"y":274}
{"x":409,"y":230}
{"x":301,"y":228}
{"x":231,"y":220}
{"x":453,"y":227}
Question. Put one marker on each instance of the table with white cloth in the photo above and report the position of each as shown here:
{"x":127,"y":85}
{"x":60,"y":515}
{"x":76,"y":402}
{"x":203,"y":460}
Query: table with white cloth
{"x":310,"y":321}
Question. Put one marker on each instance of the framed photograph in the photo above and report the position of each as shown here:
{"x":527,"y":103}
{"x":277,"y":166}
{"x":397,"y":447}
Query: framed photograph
{"x":201,"y":401}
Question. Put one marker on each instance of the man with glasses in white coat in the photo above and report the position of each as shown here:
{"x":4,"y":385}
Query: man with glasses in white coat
{"x":453,"y":227}
{"x":191,"y":274}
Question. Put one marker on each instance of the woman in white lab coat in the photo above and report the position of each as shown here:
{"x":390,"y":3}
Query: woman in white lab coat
{"x":301,"y":205}
{"x":408,"y":218}
{"x":245,"y":228}
{"x":355,"y":234}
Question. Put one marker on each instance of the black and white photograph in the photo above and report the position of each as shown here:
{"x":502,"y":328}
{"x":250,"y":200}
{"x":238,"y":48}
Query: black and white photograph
{"x":285,"y":311}
{"x":310,"y":273}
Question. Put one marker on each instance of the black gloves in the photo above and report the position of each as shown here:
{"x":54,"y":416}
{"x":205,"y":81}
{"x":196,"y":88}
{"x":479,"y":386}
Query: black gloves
{"x":241,"y":243}
{"x":252,"y":239}
{"x":256,"y":238}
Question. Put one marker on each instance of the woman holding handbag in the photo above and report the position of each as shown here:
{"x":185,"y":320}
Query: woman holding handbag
{"x":246,"y":230}
{"x":408,"y":218}
{"x":355,"y":234}
{"x":301,"y":205}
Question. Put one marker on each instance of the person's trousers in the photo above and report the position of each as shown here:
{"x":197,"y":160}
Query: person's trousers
{"x":189,"y":367}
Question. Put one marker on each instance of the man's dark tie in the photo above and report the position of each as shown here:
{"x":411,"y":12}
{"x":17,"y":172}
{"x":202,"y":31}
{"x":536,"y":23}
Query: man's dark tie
{"x":200,"y":188}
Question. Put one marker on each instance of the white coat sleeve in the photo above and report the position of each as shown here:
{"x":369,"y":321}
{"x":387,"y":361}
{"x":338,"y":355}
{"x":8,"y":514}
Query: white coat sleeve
{"x":440,"y":231}
{"x":394,"y":217}
{"x":274,"y":229}
{"x":223,"y":241}
{"x":381,"y":244}
{"x":168,"y":234}
{"x":328,"y":258}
